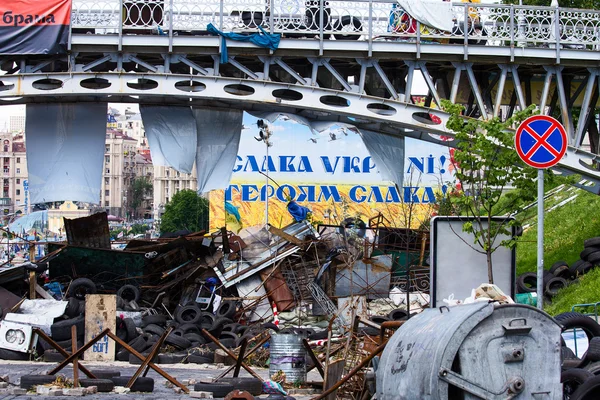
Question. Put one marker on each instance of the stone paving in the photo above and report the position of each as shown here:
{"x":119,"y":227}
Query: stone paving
{"x":182,"y":372}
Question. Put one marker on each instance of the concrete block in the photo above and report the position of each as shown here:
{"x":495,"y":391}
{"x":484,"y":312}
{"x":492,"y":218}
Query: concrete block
{"x":91,"y":389}
{"x":75,"y":392}
{"x":178,"y":390}
{"x":49,"y":391}
{"x":201,"y":395}
{"x":18,"y":391}
{"x":122,"y":390}
{"x":191,"y":381}
{"x":3,"y":385}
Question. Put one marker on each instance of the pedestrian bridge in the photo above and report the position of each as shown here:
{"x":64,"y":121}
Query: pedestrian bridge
{"x":350,"y":61}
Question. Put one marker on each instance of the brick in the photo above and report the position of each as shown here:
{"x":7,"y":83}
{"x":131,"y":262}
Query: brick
{"x":3,"y":385}
{"x":19,"y":391}
{"x":201,"y":395}
{"x":75,"y":392}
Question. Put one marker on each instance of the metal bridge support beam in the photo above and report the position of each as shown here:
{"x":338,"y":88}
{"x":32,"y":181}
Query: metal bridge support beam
{"x":585,"y":105}
{"x":432,"y":89}
{"x":289,"y":70}
{"x":518,"y":88}
{"x":231,"y":60}
{"x":386,"y":80}
{"x":476,"y":91}
{"x":456,"y":81}
{"x":546,"y":90}
{"x":500,"y":89}
{"x":177,"y":58}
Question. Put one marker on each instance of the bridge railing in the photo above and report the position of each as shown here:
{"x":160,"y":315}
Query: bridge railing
{"x":373,"y":20}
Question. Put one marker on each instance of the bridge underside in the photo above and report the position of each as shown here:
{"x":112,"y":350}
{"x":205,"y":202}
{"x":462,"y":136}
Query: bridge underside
{"x":373,"y":91}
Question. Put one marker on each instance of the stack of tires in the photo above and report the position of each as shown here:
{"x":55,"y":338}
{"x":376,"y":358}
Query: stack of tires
{"x":554,"y":280}
{"x":580,"y":376}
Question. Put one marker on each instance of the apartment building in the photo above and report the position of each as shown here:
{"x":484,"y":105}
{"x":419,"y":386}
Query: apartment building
{"x":16,"y":124}
{"x":167,"y":182}
{"x":14,"y":174}
{"x":119,"y":172}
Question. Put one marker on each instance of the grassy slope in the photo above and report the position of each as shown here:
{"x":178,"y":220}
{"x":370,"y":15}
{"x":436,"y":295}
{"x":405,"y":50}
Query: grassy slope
{"x":566,"y":228}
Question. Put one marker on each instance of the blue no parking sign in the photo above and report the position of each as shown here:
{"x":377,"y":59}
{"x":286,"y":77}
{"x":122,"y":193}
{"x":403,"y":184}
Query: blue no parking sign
{"x":541,"y":141}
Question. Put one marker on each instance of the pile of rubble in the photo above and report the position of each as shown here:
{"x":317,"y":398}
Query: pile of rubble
{"x":333,"y":285}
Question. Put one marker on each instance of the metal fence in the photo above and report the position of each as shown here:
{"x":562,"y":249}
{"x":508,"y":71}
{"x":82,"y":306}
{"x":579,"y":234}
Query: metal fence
{"x":474,"y":24}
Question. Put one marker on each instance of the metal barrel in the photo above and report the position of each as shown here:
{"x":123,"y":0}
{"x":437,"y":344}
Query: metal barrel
{"x":288,"y":355}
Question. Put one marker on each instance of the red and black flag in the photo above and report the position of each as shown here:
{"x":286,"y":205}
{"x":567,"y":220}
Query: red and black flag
{"x":34,"y":26}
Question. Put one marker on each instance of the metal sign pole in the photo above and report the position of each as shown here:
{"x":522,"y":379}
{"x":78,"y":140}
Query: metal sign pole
{"x":540,"y":241}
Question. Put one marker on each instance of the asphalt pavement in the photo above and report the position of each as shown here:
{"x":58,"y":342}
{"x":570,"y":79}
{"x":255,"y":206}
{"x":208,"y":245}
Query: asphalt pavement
{"x":181,"y":372}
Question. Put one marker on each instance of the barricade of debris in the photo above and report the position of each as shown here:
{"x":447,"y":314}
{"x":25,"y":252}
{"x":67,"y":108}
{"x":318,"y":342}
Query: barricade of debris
{"x":292,"y":299}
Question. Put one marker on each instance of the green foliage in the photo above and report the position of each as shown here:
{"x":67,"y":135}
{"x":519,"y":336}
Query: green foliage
{"x":135,"y":229}
{"x":585,"y":291}
{"x":486,"y":163}
{"x":140,"y":188}
{"x":186,"y":210}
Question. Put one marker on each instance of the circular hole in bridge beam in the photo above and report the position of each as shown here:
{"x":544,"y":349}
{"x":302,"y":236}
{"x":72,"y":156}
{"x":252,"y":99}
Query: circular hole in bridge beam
{"x":4,"y":87}
{"x":335,"y":101}
{"x":142,"y":84}
{"x":426,"y":118}
{"x":47,"y":84}
{"x":95,"y":83}
{"x":239,"y":89}
{"x":381,"y":109}
{"x":190,"y":86}
{"x":287,"y":94}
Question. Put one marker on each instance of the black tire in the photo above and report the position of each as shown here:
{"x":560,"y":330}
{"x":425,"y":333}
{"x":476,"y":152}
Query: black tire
{"x":348,"y":21}
{"x":584,"y":268}
{"x":72,"y":309}
{"x":553,"y":285}
{"x":188,"y":315}
{"x":61,"y":330}
{"x":6,"y":354}
{"x":29,"y":381}
{"x":229,"y":343}
{"x":140,"y":343}
{"x":129,"y":293}
{"x":196,"y":359}
{"x":189,"y":328}
{"x":53,"y":356}
{"x":270,"y":325}
{"x":574,"y":266}
{"x":526,"y":283}
{"x":595,"y":241}
{"x":231,"y":327}
{"x":217,"y":389}
{"x":228,"y":335}
{"x":195,"y":338}
{"x":103,"y":385}
{"x":122,"y":355}
{"x":133,"y":360}
{"x":594,"y":258}
{"x":398,"y":315}
{"x":588,"y":390}
{"x":587,"y":252}
{"x":132,"y":332}
{"x":572,"y":379}
{"x":593,"y":368}
{"x":572,"y":320}
{"x":217,"y":327}
{"x":154,"y":329}
{"x":250,"y":385}
{"x":172,"y":358}
{"x":556,"y":265}
{"x":319,"y":335}
{"x":105,"y":374}
{"x":80,"y":287}
{"x":141,"y":384}
{"x":562,"y":272}
{"x":178,"y":341}
{"x":241,"y":330}
{"x":378,"y":319}
{"x":593,"y":351}
{"x":159,"y":320}
{"x":206,"y":320}
{"x":226,"y":309}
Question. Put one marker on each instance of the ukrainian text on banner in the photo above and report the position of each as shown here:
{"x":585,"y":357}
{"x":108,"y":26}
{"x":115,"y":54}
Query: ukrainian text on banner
{"x":330,"y":172}
{"x":34,"y":26}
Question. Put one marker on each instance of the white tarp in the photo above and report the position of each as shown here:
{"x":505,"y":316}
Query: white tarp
{"x":171,"y":133}
{"x":219,"y":134}
{"x":388,"y":153}
{"x":65,"y":151}
{"x":26,"y":222}
{"x":435,"y":13}
{"x":274,"y":116}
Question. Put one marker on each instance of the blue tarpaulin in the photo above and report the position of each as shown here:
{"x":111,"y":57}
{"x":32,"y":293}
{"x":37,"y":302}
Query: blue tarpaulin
{"x":297,"y":211}
{"x":264,"y":39}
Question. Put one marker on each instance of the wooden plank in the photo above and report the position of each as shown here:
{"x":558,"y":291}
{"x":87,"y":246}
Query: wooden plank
{"x":100,"y":314}
{"x":282,"y":234}
{"x":334,"y":374}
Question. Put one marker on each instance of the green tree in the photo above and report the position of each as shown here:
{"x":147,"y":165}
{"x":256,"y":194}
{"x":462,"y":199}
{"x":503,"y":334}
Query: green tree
{"x":186,"y":210}
{"x":141,"y":187}
{"x":486,"y":165}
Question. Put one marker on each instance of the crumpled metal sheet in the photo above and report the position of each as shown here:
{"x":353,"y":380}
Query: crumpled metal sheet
{"x":89,"y":231}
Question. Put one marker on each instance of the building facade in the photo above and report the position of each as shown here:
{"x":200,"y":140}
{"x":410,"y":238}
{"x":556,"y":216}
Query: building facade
{"x":14,"y":175}
{"x":167,"y":182}
{"x":118,"y":172}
